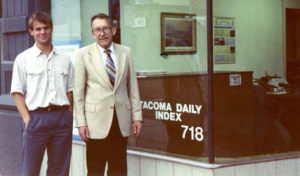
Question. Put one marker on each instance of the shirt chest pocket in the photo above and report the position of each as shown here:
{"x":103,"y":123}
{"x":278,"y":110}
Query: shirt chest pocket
{"x":62,"y":72}
{"x":34,"y":78}
{"x":34,"y":74}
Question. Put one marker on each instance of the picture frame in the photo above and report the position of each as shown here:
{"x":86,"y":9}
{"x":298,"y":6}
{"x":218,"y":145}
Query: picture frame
{"x":178,"y":33}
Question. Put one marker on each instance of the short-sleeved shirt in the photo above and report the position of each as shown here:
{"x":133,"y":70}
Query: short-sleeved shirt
{"x":43,"y":80}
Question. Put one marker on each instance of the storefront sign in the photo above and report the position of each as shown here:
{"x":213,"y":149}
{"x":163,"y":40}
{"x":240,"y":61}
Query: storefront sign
{"x":166,"y":112}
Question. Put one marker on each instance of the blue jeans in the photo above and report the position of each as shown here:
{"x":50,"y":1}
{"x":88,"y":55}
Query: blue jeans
{"x":51,"y":131}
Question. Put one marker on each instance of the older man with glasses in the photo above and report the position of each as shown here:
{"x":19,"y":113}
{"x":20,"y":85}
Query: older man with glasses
{"x":106,"y":99}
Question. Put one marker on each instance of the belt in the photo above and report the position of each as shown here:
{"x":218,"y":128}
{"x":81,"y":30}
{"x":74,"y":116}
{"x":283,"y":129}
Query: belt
{"x":51,"y":108}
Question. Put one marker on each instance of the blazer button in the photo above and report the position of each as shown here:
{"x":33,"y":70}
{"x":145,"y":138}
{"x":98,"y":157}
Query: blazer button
{"x":111,"y":107}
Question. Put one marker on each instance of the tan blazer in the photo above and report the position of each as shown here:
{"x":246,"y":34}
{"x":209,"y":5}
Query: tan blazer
{"x":95,"y":97}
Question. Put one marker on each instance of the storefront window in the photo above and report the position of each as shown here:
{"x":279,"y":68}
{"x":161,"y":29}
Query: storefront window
{"x":168,"y":41}
{"x":258,"y":113}
{"x":255,"y":103}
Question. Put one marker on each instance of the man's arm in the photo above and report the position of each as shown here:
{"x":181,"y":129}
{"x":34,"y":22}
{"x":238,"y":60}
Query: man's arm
{"x":70,"y":97}
{"x":21,"y":106}
{"x":133,"y":92}
{"x":18,"y":88}
{"x":134,"y":98}
{"x":70,"y":86}
{"x":79,"y":97}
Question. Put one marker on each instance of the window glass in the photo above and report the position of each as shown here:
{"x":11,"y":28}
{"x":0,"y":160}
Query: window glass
{"x":256,"y":110}
{"x":71,"y":19}
{"x":66,"y":20}
{"x":168,"y":42}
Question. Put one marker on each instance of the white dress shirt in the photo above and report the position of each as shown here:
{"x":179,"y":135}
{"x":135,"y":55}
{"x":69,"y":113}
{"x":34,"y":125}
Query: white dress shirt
{"x":43,"y":80}
{"x":104,"y":55}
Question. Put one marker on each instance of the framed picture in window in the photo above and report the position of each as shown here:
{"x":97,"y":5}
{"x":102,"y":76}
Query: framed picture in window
{"x":178,"y":33}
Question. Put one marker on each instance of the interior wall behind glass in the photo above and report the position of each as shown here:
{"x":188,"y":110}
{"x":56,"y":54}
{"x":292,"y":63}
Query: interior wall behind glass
{"x":71,"y":19}
{"x":66,"y":20}
{"x":88,"y":9}
{"x":145,"y":39}
{"x":259,"y":35}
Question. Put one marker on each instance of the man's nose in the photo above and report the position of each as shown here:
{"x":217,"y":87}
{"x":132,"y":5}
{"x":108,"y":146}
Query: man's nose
{"x":101,"y":32}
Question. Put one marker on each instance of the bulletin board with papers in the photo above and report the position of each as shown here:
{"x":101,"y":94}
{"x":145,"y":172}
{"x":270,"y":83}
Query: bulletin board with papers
{"x":224,"y":40}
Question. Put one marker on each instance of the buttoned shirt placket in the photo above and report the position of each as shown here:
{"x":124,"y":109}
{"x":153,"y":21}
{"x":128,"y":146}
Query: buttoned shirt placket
{"x":51,"y":77}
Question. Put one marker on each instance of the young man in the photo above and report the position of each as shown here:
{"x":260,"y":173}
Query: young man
{"x":106,"y":99}
{"x":42,"y":85}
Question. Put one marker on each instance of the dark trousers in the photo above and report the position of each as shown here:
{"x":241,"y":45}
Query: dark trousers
{"x":51,"y":131}
{"x":112,"y":150}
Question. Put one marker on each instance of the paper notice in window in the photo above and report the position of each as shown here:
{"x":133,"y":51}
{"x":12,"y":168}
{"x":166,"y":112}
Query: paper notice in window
{"x":235,"y":80}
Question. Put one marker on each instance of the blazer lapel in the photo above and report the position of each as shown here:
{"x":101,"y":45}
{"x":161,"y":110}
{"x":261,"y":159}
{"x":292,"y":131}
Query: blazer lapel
{"x":121,"y":60}
{"x":96,"y":61}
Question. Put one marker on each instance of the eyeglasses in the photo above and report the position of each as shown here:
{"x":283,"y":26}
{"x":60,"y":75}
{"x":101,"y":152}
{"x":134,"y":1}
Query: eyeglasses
{"x":104,"y":29}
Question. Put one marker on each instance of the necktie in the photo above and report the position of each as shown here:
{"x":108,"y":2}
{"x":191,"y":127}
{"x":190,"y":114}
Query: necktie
{"x":110,"y":67}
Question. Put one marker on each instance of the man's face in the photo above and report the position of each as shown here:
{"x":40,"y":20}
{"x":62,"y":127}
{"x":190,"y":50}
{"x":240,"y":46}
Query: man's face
{"x":42,"y":33}
{"x":103,"y":32}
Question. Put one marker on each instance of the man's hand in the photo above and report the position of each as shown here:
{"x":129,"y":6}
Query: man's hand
{"x":84,"y":133}
{"x":137,"y":128}
{"x":26,"y":120}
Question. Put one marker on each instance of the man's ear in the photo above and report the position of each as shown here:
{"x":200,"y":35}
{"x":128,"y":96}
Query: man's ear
{"x":93,"y":34}
{"x":31,"y":32}
{"x":114,"y":30}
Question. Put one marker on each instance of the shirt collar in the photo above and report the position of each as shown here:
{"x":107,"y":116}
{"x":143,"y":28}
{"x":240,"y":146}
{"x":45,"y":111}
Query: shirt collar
{"x":55,"y":50}
{"x":37,"y":52}
{"x":102,"y":49}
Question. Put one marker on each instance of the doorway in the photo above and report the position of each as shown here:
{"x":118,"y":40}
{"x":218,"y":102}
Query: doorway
{"x":293,"y":46}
